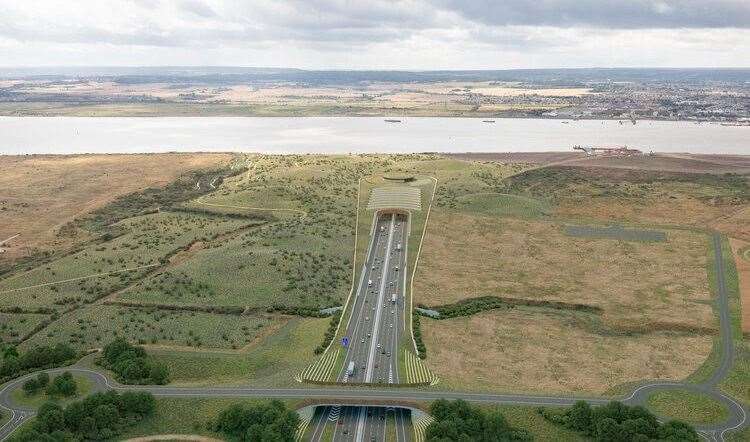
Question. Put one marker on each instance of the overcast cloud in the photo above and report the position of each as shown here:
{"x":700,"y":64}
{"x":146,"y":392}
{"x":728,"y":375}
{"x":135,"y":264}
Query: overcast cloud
{"x":414,"y":34}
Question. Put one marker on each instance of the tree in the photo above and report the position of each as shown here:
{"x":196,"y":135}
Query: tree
{"x":608,"y":430}
{"x":63,"y":385}
{"x":42,"y":379}
{"x":139,"y":403}
{"x":106,"y":416}
{"x":30,"y":387}
{"x":11,"y":366}
{"x":459,"y":421}
{"x":50,"y":418}
{"x":115,"y":348}
{"x":270,"y":421}
{"x":678,"y":431}
{"x":579,"y":417}
{"x":159,"y":374}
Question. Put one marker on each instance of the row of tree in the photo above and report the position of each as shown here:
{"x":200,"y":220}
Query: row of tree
{"x":459,"y":421}
{"x":62,"y":385}
{"x":266,"y":421}
{"x":100,"y":416}
{"x":330,"y":333}
{"x":616,"y":422}
{"x":132,"y":364}
{"x":421,"y":348}
{"x":43,"y":356}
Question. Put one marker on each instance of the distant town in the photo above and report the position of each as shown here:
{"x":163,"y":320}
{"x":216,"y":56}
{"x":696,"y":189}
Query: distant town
{"x":622,"y":94}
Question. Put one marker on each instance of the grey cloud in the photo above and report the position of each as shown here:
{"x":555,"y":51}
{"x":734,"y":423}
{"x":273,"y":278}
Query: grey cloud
{"x":619,"y":14}
{"x":198,"y":8}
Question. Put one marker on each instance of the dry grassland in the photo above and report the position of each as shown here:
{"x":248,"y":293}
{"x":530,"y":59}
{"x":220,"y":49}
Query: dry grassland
{"x":741,"y":252}
{"x":638,"y":285}
{"x":522,"y":350}
{"x":39,"y":194}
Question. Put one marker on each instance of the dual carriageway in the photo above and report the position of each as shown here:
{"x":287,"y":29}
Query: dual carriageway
{"x":374,"y":333}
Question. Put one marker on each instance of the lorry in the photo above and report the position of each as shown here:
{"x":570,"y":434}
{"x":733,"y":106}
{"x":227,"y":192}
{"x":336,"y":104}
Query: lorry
{"x":350,"y":369}
{"x":398,"y":246}
{"x":393,"y":298}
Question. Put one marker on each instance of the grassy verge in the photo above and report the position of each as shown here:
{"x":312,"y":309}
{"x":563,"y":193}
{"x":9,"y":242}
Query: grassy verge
{"x":273,"y":362}
{"x":185,"y":416}
{"x":688,"y":406}
{"x":19,"y":397}
{"x":737,"y":382}
{"x":527,"y":418}
{"x":739,"y":436}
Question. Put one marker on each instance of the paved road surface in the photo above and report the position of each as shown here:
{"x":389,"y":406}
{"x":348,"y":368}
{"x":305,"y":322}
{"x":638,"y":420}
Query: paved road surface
{"x":375,"y":327}
{"x":342,"y":394}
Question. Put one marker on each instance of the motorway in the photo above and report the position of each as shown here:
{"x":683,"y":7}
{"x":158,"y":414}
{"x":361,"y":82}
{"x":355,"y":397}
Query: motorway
{"x":347,"y":395}
{"x":374,"y":330}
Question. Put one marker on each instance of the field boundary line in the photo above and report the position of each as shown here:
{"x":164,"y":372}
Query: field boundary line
{"x":199,"y":200}
{"x":114,"y":272}
{"x":416,"y":264}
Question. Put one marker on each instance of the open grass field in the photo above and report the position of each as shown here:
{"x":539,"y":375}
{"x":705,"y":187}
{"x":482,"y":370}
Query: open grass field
{"x":637,"y":302}
{"x":84,"y":387}
{"x":641,"y":196}
{"x":41,"y":193}
{"x":94,"y":326}
{"x":273,"y":361}
{"x":15,"y":326}
{"x":636,"y":285}
{"x":741,"y":256}
{"x":545,"y":350}
{"x":278,"y":232}
{"x":688,"y":406}
{"x":186,"y":416}
{"x":102,"y":269}
{"x":527,"y":418}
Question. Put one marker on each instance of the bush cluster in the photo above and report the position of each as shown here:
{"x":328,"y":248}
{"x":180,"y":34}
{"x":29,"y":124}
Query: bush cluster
{"x":330,"y":333}
{"x":43,"y":356}
{"x":62,"y":385}
{"x":421,"y":348}
{"x":132,"y":365}
{"x":154,"y":198}
{"x":100,"y":416}
{"x":616,"y":422}
{"x":459,"y":421}
{"x":269,"y":421}
{"x":471,"y":306}
{"x":33,"y":385}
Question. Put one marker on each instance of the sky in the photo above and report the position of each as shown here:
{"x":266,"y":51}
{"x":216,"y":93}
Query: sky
{"x":376,"y":34}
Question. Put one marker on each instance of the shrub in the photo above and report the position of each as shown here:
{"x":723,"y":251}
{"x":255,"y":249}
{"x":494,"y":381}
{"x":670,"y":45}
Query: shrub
{"x":618,"y":422}
{"x":30,"y":387}
{"x":271,"y":421}
{"x":44,"y":356}
{"x":132,"y":364}
{"x":98,"y":417}
{"x":459,"y":421}
{"x":63,"y":385}
{"x":330,"y":333}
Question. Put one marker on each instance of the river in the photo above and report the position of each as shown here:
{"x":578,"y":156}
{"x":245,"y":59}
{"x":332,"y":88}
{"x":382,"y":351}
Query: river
{"x":45,"y":135}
